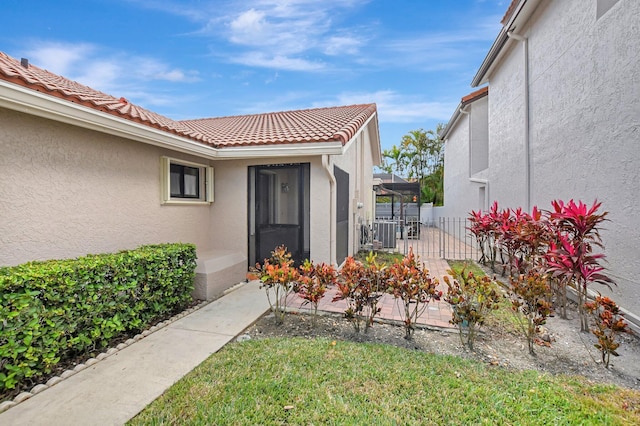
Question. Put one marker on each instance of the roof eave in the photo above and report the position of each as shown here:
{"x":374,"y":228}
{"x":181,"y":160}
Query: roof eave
{"x":376,"y":148}
{"x":451,"y":123}
{"x":21,"y":99}
{"x":520,"y":16}
{"x":280,"y":150}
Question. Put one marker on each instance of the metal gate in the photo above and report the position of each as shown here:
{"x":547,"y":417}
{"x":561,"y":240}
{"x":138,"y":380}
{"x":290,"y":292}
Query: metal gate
{"x":443,"y":238}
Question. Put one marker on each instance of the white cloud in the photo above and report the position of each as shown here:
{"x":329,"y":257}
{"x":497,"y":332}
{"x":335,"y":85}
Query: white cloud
{"x":342,"y":45}
{"x":247,"y":27}
{"x":280,"y":62}
{"x":282,"y":34}
{"x":59,"y":58}
{"x":394,"y":107}
{"x":272,"y":79}
{"x":87,"y":62}
{"x":115,"y":73}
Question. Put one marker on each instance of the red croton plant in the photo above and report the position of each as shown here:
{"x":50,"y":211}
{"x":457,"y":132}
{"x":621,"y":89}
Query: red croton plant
{"x":362,"y":286}
{"x":560,"y":245}
{"x":609,"y":323}
{"x":409,"y":281}
{"x":278,"y":277}
{"x":313,"y":282}
{"x":570,"y":258}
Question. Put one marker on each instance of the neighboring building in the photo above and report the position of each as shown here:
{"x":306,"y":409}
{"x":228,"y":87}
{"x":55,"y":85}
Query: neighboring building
{"x":84,"y":172}
{"x":563,"y":122}
{"x":466,"y":157}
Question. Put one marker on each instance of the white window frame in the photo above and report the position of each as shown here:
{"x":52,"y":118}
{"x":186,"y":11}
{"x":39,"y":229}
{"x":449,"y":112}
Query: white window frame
{"x":205,"y":178}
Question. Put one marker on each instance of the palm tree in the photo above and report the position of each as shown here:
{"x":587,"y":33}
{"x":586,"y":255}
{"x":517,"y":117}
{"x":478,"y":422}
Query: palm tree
{"x":425,"y":160}
{"x":395,"y":160}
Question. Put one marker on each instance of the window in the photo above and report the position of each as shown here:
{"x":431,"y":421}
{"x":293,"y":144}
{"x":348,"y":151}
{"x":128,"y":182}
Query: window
{"x":186,"y":182}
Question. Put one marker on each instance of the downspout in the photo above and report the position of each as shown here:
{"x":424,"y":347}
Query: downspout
{"x":527,"y":141}
{"x":463,"y":110}
{"x":326,"y":163}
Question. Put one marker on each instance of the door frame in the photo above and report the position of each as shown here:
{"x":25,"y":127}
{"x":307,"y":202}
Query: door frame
{"x":253,"y":213}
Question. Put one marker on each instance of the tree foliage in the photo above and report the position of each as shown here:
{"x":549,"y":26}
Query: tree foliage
{"x":420,"y":156}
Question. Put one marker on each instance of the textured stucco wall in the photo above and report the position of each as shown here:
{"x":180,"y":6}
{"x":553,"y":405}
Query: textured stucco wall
{"x":585,"y":123}
{"x":357,"y":161}
{"x":479,"y":151}
{"x":66,"y":192}
{"x":231,"y":204}
{"x":461,"y":194}
{"x":506,"y":131}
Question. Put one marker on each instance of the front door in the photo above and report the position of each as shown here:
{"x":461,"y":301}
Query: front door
{"x":278,"y":211}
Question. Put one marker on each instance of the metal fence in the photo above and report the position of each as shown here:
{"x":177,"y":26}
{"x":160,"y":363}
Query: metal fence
{"x":445,"y":237}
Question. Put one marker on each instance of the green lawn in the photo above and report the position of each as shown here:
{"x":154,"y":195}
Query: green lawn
{"x":299,"y":381}
{"x":469,"y":266}
{"x":381,"y":256}
{"x":504,"y":317}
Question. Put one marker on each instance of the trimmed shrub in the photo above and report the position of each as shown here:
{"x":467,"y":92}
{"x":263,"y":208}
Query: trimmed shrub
{"x":60,"y":308}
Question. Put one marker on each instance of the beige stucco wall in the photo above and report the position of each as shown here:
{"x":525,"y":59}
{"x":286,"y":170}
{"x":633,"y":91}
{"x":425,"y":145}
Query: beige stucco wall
{"x":357,"y":160}
{"x":66,"y":192}
{"x":231,"y":204}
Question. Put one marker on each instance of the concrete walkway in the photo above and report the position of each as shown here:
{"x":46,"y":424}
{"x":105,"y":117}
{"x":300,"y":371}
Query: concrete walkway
{"x":117,"y":388}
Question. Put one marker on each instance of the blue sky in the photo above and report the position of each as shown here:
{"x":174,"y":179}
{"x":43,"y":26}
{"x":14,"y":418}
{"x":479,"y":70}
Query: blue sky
{"x":209,"y":58}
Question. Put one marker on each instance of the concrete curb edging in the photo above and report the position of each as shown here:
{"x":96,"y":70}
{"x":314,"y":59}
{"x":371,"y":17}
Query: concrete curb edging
{"x":41,"y":387}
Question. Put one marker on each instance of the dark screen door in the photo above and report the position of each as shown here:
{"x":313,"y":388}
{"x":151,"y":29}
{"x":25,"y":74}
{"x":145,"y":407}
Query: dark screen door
{"x":278,"y":211}
{"x":342,"y":214}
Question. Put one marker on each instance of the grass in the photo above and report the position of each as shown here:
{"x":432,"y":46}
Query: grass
{"x":503,"y":317}
{"x":470,"y":266}
{"x":381,"y":256}
{"x":300,"y":381}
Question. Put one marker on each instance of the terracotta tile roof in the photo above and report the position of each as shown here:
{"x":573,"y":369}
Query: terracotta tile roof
{"x":301,"y":126}
{"x":304,"y":126}
{"x":44,"y":81}
{"x":509,"y":12}
{"x":475,"y":95}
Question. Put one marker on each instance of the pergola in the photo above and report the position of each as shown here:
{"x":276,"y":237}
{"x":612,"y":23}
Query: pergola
{"x":400,"y":190}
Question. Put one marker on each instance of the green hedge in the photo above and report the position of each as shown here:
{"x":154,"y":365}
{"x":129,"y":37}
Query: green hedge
{"x":57,"y":309}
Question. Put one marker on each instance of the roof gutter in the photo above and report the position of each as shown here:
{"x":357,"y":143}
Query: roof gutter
{"x":31,"y":102}
{"x":283,"y":150}
{"x":21,"y":99}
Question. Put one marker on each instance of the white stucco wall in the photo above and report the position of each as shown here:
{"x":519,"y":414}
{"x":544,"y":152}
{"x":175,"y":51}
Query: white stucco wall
{"x":66,"y":192}
{"x":479,"y":137}
{"x":461,"y":194}
{"x":585,"y":123}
